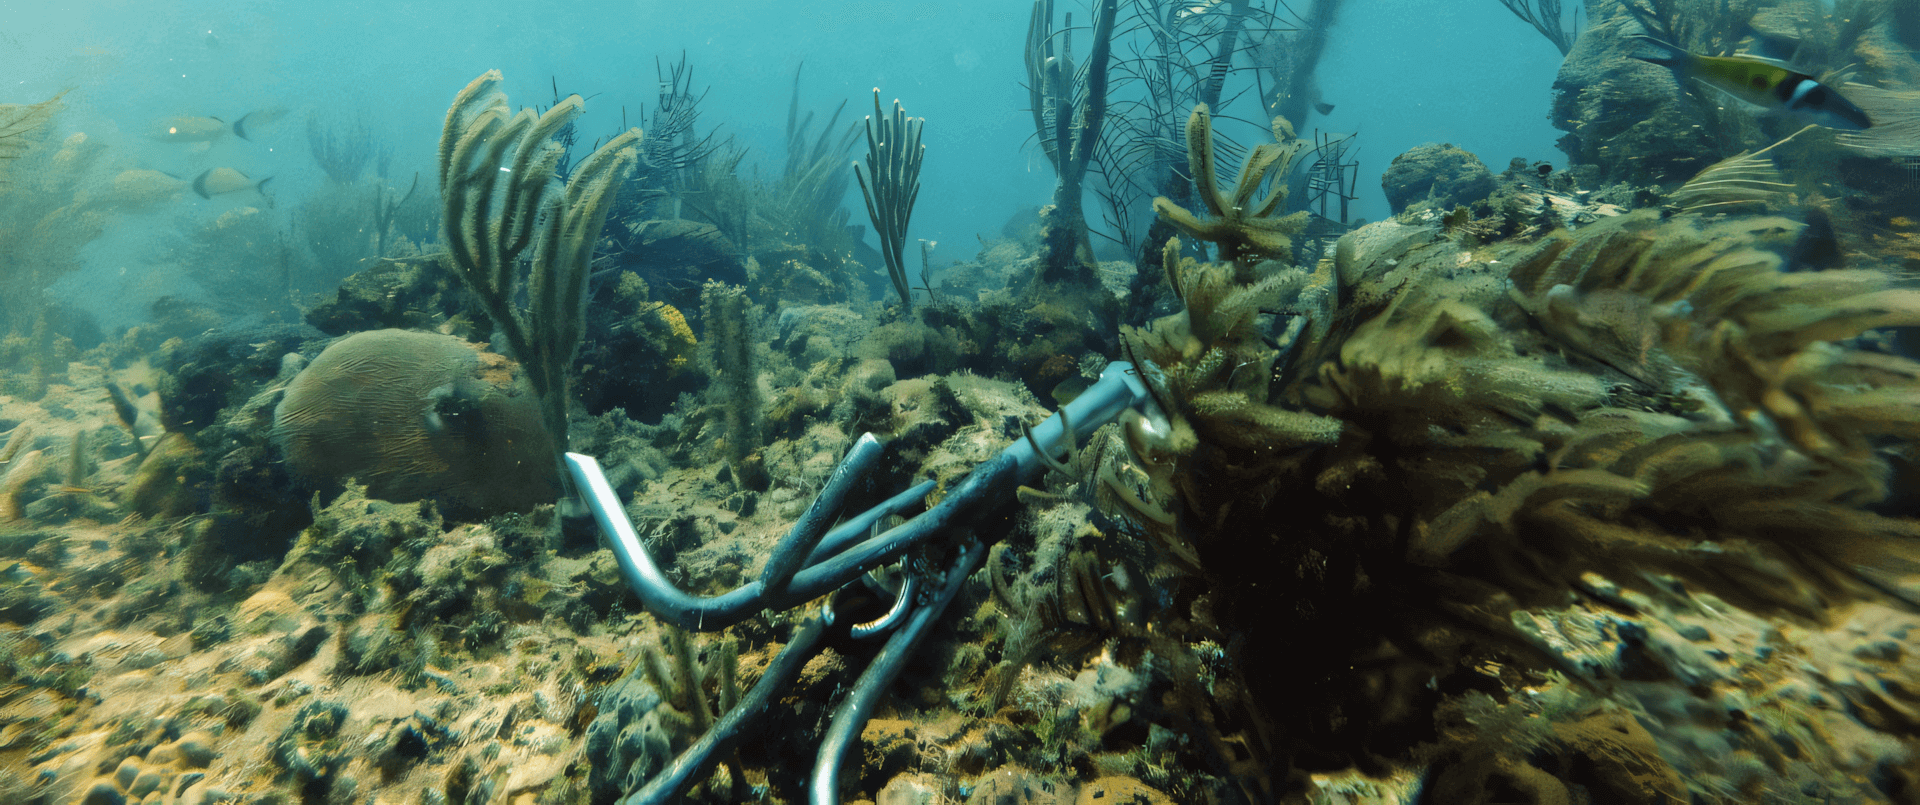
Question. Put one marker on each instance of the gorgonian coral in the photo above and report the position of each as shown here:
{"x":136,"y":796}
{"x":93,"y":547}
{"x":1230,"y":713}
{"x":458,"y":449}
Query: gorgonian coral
{"x":1245,"y":230}
{"x":1371,"y":468}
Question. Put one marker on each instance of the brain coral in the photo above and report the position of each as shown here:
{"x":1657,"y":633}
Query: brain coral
{"x":418,"y":415}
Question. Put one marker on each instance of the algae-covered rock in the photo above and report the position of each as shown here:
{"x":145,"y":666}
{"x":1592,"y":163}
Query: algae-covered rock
{"x":219,"y":368}
{"x":638,"y":353}
{"x":1625,"y":119}
{"x":401,"y":295}
{"x":676,"y":257}
{"x":813,"y":333}
{"x":1443,"y":174}
{"x":417,"y":415}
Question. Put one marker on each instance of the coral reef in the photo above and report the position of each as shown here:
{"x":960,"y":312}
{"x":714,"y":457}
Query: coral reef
{"x":487,"y":234}
{"x":1069,"y":112}
{"x":1578,"y":482}
{"x":890,"y":182}
{"x":1654,"y":399}
{"x":55,"y":197}
{"x":735,"y":393}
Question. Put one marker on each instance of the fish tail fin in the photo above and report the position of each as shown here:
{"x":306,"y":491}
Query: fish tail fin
{"x":1675,"y":57}
{"x":200,"y":184}
{"x":262,"y":186}
{"x":240,"y":127}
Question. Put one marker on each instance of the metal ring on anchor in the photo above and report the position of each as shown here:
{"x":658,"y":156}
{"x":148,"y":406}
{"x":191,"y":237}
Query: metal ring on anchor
{"x":902,"y":602}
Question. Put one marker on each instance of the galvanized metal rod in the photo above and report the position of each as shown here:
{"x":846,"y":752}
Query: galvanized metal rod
{"x":847,"y":550}
{"x":698,"y":761}
{"x":857,"y":707}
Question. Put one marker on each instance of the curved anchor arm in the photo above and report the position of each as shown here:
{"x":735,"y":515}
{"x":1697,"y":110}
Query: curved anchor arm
{"x":724,"y":736}
{"x":857,"y":707}
{"x":844,"y":552}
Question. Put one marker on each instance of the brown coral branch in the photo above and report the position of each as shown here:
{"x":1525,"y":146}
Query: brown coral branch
{"x":1246,"y":232}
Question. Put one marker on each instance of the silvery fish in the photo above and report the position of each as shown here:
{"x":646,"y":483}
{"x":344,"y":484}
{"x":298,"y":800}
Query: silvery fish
{"x":226,"y":180}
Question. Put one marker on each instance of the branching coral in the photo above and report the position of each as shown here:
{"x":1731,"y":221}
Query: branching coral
{"x":1431,"y":452}
{"x":890,"y":181}
{"x":1245,"y":231}
{"x":1168,"y":57}
{"x":489,"y":227}
{"x":51,"y":204}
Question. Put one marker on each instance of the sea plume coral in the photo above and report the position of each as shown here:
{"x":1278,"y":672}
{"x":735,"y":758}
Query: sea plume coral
{"x":1246,"y":231}
{"x":1383,"y":461}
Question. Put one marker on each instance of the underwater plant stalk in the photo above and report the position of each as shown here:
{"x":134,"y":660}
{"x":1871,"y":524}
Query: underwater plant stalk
{"x":1069,"y":124}
{"x":1294,"y":106}
{"x":1222,"y":61}
{"x":890,"y":182}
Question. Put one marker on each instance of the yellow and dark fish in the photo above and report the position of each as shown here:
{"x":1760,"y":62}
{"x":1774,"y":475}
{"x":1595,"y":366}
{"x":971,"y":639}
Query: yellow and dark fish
{"x":218,"y":181}
{"x":1070,"y":389}
{"x":1764,"y":83}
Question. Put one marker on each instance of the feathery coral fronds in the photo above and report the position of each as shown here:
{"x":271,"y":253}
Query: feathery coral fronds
{"x":1648,"y":398}
{"x":1742,"y":179}
{"x":19,"y":121}
{"x":489,"y":227}
{"x":1245,"y":231}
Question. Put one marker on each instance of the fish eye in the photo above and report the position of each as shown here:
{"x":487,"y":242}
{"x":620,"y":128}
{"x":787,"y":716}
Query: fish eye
{"x":1760,"y":81}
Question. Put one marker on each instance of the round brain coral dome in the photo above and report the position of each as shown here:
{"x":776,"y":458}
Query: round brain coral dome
{"x":418,"y":415}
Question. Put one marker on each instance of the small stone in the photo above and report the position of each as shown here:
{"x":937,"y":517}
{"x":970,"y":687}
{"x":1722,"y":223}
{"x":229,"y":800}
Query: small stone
{"x":127,"y":771}
{"x":1116,"y":790}
{"x":163,"y":755}
{"x":148,"y":782}
{"x":202,"y":794}
{"x":196,"y":748}
{"x":103,"y":793}
{"x":907,"y":790}
{"x":1884,"y":650}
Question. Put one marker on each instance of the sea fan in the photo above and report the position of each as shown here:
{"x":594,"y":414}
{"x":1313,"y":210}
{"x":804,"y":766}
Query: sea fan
{"x":17,"y":124}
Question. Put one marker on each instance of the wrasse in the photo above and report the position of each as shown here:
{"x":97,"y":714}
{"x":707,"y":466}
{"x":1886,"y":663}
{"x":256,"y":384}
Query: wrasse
{"x":1764,"y":83}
